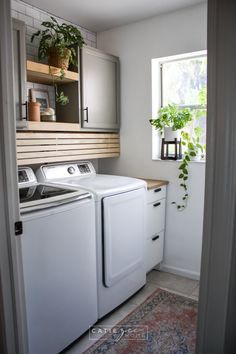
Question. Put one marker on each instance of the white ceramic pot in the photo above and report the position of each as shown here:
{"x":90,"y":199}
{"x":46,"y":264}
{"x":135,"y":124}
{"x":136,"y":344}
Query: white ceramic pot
{"x":170,"y":134}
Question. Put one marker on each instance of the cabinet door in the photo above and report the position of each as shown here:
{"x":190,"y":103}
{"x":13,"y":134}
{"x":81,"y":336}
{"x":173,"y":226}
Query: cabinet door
{"x":154,"y":251}
{"x":19,"y":72}
{"x":155,"y":217}
{"x":123,"y":235}
{"x":99,"y":90}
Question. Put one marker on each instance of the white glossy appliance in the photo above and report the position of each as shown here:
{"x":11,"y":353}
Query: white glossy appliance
{"x":58,"y":255}
{"x":120,"y":228}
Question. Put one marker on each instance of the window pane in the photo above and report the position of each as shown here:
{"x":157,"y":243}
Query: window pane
{"x":182,"y":81}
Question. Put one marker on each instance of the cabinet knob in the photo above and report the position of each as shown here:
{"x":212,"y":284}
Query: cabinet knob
{"x":154,"y":238}
{"x":156,"y":204}
{"x":157,"y":190}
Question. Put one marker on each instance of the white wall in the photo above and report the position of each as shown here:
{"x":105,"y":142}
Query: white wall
{"x":136,"y":44}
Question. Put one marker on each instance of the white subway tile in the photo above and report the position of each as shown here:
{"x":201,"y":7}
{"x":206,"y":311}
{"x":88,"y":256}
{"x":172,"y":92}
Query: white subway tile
{"x":91,"y":36}
{"x":37,"y":24}
{"x":35,"y":42}
{"x":32,"y":12}
{"x":27,"y":19}
{"x":14,"y":14}
{"x":29,"y":85}
{"x":31,"y":50}
{"x":83,"y":33}
{"x":28,"y":39}
{"x":31,"y":57}
{"x":40,"y":86}
{"x":18,"y":6}
{"x":44,"y":16}
{"x":93,"y":44}
{"x":30,"y":30}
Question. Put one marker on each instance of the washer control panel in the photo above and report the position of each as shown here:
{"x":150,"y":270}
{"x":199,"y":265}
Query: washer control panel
{"x":26,"y":176}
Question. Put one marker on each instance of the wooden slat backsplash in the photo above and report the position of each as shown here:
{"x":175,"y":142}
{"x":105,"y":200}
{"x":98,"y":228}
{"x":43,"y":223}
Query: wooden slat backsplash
{"x":44,"y":147}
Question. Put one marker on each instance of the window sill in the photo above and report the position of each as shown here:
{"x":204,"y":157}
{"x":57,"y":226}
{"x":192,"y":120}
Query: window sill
{"x":174,"y":161}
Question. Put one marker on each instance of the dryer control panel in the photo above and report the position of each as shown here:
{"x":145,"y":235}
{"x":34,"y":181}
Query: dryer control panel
{"x":76,"y":169}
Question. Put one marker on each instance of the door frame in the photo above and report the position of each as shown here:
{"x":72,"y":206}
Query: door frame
{"x":12,"y":324}
{"x":217,"y":281}
{"x":217,"y":285}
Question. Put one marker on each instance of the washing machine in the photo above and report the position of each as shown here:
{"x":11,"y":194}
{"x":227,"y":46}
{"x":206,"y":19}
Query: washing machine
{"x":57,"y":253}
{"x":120,"y":204}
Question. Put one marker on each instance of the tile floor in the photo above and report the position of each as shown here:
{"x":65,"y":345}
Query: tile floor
{"x":155,"y":279}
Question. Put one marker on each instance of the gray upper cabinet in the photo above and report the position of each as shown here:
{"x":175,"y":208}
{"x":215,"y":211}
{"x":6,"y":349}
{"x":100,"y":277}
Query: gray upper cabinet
{"x":19,"y":72}
{"x":99,"y":91}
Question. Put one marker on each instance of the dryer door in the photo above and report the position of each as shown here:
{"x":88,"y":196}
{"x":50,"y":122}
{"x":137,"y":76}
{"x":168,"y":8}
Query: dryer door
{"x":123,"y":234}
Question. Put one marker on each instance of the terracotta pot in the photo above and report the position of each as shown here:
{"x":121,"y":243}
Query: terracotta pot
{"x":34,"y":111}
{"x":59,"y":60}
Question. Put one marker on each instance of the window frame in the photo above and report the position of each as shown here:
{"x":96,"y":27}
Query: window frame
{"x":157,"y":99}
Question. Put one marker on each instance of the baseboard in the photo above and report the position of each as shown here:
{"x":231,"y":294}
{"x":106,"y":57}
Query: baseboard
{"x":179,"y":271}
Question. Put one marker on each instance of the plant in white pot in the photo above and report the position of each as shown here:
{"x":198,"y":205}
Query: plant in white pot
{"x":170,"y":120}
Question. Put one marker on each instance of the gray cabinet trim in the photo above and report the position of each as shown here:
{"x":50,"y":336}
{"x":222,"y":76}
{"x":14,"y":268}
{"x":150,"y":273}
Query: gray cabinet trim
{"x":19,"y":59}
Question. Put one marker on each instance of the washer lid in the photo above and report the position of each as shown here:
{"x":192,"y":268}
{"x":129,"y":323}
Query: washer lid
{"x":104,"y":185}
{"x":43,"y":196}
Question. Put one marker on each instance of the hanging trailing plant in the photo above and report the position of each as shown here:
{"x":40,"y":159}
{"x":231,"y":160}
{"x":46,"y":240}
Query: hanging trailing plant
{"x":193,"y":150}
{"x":60,"y":97}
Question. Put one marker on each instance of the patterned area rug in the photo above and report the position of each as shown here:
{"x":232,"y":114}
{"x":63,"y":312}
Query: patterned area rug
{"x":164,"y":323}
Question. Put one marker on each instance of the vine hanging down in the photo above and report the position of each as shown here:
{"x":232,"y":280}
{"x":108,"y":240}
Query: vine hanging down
{"x":193,"y":150}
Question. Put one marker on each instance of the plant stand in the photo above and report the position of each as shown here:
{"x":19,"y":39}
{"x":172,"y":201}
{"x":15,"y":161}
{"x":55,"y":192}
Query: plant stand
{"x":171,"y":150}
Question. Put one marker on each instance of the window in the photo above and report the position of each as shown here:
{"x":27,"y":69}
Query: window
{"x":181,"y":80}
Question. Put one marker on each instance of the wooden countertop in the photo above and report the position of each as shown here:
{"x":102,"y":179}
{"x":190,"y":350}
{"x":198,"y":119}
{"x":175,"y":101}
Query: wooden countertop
{"x":154,"y":183}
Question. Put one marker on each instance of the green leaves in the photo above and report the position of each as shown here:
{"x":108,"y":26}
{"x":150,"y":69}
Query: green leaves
{"x":183,"y":177}
{"x":187,"y":158}
{"x":190,"y":146}
{"x":62,"y":99}
{"x":202,"y":96}
{"x":171,"y":116}
{"x":182,"y":166}
{"x":59,"y":36}
{"x":193,"y":146}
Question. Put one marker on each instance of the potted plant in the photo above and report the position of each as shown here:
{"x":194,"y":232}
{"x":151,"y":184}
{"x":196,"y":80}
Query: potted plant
{"x":59,"y":43}
{"x":171,"y":120}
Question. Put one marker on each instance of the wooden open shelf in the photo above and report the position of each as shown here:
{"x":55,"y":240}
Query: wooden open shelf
{"x":53,"y":126}
{"x":42,"y":74}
